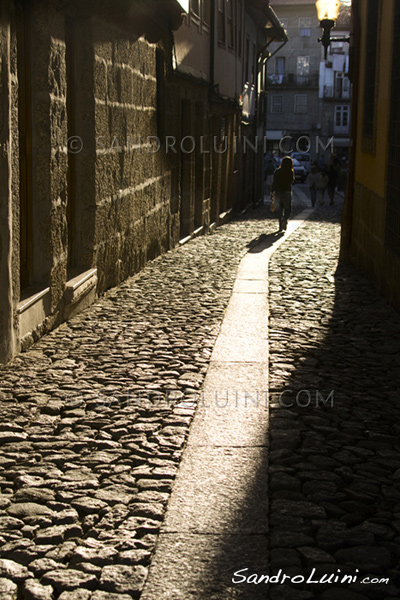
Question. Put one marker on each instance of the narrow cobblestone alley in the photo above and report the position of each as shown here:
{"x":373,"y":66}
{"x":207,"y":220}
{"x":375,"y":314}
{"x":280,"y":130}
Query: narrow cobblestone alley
{"x":93,"y":423}
{"x":96,"y":415}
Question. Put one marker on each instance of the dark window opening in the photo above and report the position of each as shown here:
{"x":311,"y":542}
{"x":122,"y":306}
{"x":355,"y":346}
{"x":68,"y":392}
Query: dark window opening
{"x":207,"y":11}
{"x":221,"y":22}
{"x":239,"y":13}
{"x":371,"y":42}
{"x":280,"y":65}
{"x":230,"y":23}
{"x":253,"y":66}
{"x":195,"y":6}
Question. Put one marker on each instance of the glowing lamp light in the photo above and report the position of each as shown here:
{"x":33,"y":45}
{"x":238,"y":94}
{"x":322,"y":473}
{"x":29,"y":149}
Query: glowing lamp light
{"x":328,"y":9}
{"x":328,"y":12}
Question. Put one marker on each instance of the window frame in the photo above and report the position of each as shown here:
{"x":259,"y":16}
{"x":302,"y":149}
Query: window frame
{"x":282,"y":60}
{"x":239,"y":28}
{"x":305,"y":31}
{"x":299,"y":59}
{"x":221,"y":22}
{"x":206,"y":14}
{"x":192,"y":10}
{"x":343,"y":112}
{"x":274,"y":104}
{"x":230,"y":23}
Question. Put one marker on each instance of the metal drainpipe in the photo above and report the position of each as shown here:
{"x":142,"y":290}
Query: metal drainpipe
{"x":212,"y":45}
{"x":256,"y":110}
{"x":257,"y":107}
{"x":259,"y":64}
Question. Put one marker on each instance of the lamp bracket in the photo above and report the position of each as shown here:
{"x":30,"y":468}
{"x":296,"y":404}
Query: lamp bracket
{"x":343,"y":38}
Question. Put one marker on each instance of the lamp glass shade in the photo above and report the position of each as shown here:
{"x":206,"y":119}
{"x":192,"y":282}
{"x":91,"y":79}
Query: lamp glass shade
{"x":328,"y":9}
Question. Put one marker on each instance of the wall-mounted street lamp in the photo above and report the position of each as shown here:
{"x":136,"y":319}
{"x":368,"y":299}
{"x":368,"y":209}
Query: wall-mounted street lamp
{"x":328,"y":12}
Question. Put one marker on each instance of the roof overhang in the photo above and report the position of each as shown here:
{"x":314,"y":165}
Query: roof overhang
{"x":267,"y":21}
{"x":274,"y":29}
{"x":149,"y":18}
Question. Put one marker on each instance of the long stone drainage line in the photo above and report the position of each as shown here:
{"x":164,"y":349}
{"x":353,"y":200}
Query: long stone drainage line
{"x":217,"y":518}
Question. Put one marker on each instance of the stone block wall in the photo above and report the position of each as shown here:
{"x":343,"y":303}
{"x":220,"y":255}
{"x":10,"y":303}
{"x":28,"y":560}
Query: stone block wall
{"x":132,"y":178}
{"x":7,"y":122}
{"x":93,"y":185}
{"x":81,"y":107}
{"x":14,"y":190}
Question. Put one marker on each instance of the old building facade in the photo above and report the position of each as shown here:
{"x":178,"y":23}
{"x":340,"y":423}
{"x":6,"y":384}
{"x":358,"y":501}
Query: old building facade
{"x":310,"y":97}
{"x":113,"y":133}
{"x":80,"y":83}
{"x":335,"y":90}
{"x":293,"y":77}
{"x":219,"y":65}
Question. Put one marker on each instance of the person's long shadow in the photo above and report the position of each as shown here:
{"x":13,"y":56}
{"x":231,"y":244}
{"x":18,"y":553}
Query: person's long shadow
{"x":332,"y":447}
{"x":264,"y":241}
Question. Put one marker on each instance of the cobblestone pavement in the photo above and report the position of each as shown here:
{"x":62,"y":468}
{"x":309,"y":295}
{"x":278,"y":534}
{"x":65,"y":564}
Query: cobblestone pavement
{"x":94,"y":418}
{"x":334,"y":423}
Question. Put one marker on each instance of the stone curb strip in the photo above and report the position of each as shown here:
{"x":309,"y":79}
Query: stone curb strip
{"x":217,"y":517}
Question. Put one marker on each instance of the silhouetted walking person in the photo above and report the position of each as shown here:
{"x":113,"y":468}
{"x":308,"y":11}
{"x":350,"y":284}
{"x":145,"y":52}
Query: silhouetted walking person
{"x":312,"y":184}
{"x":333,"y":176}
{"x":322,"y":182}
{"x":282,"y":187}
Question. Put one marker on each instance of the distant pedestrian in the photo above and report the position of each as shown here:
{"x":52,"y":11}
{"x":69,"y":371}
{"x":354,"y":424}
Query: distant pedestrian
{"x":282,"y":188}
{"x":269,"y":174}
{"x":312,"y":183}
{"x":322,"y":182}
{"x":333,"y":176}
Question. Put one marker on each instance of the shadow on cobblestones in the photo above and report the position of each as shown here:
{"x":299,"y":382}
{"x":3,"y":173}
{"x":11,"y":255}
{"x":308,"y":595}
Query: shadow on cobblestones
{"x":334,"y":459}
{"x":264,"y":241}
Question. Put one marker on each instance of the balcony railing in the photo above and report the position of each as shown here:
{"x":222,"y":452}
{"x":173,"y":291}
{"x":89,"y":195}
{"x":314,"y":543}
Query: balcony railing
{"x":341,"y":94}
{"x":293,"y":80}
